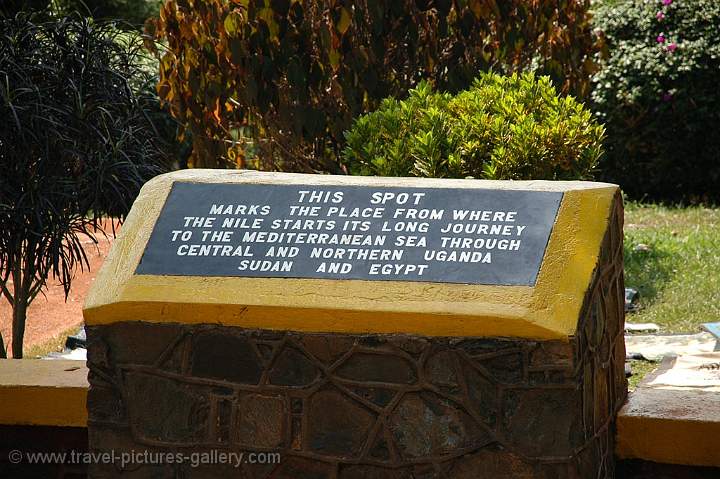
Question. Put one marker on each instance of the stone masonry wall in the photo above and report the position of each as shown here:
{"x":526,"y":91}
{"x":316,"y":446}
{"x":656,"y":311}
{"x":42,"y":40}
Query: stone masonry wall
{"x":343,"y":406}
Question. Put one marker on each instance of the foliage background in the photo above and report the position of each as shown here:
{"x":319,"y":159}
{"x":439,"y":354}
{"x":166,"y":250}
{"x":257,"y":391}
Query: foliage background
{"x":657,"y":91}
{"x":282,"y":80}
{"x":133,"y":12}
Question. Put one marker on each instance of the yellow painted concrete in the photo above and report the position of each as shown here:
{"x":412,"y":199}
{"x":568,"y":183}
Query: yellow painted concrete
{"x":43,"y":393}
{"x":674,"y":415}
{"x":670,"y":426}
{"x":548,"y":310}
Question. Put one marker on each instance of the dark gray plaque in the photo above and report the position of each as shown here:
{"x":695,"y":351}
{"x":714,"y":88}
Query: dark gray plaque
{"x":443,"y":235}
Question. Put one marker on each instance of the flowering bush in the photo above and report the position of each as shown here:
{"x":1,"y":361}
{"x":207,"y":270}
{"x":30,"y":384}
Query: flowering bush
{"x":504,"y":127}
{"x":658,"y":93}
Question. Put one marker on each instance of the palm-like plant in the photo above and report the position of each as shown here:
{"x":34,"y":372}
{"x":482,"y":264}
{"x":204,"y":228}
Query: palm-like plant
{"x":76,"y":145}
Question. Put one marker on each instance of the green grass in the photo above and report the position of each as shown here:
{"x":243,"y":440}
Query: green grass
{"x":55,"y":344}
{"x":678,"y":274}
{"x":640,"y":369}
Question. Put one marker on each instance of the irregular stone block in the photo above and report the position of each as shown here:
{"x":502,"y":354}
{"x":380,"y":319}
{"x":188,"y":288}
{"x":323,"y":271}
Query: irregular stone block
{"x":337,"y":425}
{"x":425,"y":425}
{"x":292,"y":368}
{"x":366,"y":367}
{"x":262,"y":421}
{"x":227,"y":357}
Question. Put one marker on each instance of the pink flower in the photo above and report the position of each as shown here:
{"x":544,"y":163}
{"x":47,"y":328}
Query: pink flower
{"x":667,"y":96}
{"x":660,"y":16}
{"x":667,"y":2}
{"x":661,"y":38}
{"x":672,"y":47}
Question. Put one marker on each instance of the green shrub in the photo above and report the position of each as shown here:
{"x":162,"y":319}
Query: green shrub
{"x":658,"y":93}
{"x":504,"y":127}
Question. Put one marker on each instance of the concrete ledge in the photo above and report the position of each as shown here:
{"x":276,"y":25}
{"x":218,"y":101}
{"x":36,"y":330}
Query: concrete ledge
{"x":43,"y":393}
{"x":674,"y":415}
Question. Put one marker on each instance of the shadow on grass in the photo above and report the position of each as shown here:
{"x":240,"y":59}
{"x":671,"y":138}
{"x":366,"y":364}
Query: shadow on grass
{"x":647,"y":270}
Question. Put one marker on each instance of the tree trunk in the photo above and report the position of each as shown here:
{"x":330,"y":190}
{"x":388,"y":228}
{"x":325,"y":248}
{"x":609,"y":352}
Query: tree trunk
{"x":3,"y":351}
{"x":18,"y":325}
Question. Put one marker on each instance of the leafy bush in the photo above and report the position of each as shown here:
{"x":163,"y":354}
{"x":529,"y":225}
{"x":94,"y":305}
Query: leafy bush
{"x":129,"y":13}
{"x":134,"y":12}
{"x":292,"y":76}
{"x":167,"y":128}
{"x":658,"y":93}
{"x":75,"y":145}
{"x":10,"y":8}
{"x":514,"y":127}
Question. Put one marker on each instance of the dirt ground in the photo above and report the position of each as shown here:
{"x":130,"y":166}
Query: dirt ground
{"x":50,"y":315}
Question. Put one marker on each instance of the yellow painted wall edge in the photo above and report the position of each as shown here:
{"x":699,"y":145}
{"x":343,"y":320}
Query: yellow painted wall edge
{"x":39,"y":406}
{"x":43,"y":393}
{"x":668,"y":440}
{"x":549,"y":310}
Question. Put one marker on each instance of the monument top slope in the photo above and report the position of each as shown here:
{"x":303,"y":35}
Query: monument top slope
{"x":326,"y":253}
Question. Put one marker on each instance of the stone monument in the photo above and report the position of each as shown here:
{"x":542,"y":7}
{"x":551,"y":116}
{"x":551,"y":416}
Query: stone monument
{"x":360,"y":327}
